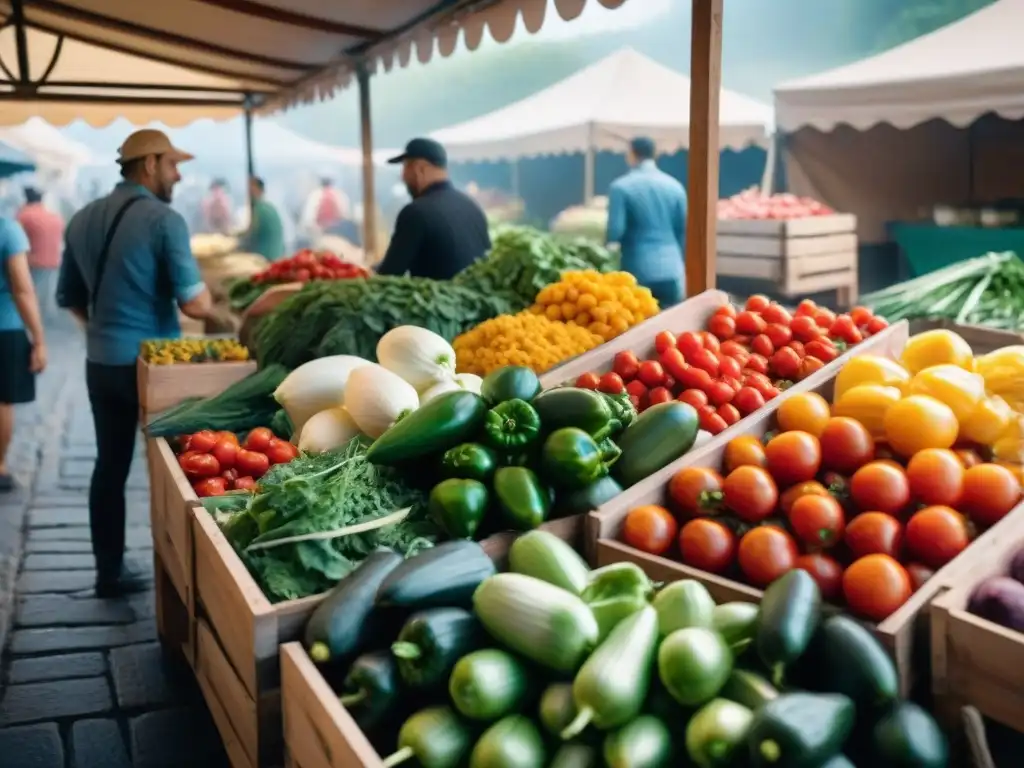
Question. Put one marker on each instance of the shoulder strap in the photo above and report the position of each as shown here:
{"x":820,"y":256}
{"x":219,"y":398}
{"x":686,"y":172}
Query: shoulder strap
{"x":101,"y":263}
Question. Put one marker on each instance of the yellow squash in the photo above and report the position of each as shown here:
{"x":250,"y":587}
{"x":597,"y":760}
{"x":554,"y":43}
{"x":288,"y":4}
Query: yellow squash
{"x":988,"y":422}
{"x":939,"y":347}
{"x":868,"y":404}
{"x":1003,"y":371}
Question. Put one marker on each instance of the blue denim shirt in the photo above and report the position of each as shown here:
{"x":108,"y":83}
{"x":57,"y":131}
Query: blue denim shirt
{"x":647,"y":217}
{"x":13,"y":241}
{"x":150,"y":268}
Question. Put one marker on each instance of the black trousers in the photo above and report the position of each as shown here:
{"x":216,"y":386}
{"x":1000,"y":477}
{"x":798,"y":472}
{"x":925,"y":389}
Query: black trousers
{"x":114,"y":397}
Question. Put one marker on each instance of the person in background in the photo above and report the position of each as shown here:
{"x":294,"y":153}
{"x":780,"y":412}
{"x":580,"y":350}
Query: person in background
{"x":22,"y":355}
{"x":45,"y":230}
{"x":217,"y":209}
{"x":127,"y":271}
{"x":265,"y":235}
{"x":442,"y":231}
{"x":647,"y":218}
{"x":331,"y":208}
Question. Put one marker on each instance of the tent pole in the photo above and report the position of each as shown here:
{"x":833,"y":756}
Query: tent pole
{"x":369,"y":195}
{"x":250,"y":163}
{"x":706,"y":79}
{"x":588,"y":167}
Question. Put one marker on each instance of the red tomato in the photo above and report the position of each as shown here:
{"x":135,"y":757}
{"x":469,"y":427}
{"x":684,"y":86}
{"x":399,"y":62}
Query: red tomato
{"x":664,"y":340}
{"x":804,"y":328}
{"x":258,"y":439}
{"x":730,"y":367}
{"x":808,"y":366}
{"x":766,"y":553}
{"x":658,"y":395}
{"x":825,"y":571}
{"x":626,"y":365}
{"x":785,"y":363}
{"x":806,"y":307}
{"x":861,"y":316}
{"x":750,"y":323}
{"x":689,"y":342}
{"x":694,"y":397}
{"x":734,"y":349}
{"x":670,"y":383}
{"x":588,"y":380}
{"x":710,"y":421}
{"x":877,"y":324}
{"x":776,"y":313}
{"x":197,"y":465}
{"x":762,"y":345}
{"x":876,"y":586}
{"x":726,"y":309}
{"x":751,"y":493}
{"x":696,"y":491}
{"x":612,"y":384}
{"x":245,"y":484}
{"x":210,"y":486}
{"x":202,"y":441}
{"x":729,"y":413}
{"x":706,"y":360}
{"x":723,"y":326}
{"x":281,"y":451}
{"x":822,"y":349}
{"x":251,"y":463}
{"x":673,"y":363}
{"x":711,"y":342}
{"x":650,"y":529}
{"x":793,"y":457}
{"x":990,"y":492}
{"x":936,"y":476}
{"x":798,"y":347}
{"x":757,"y":364}
{"x":225,"y":435}
{"x":747,"y":400}
{"x":824,"y":318}
{"x":818,"y":521}
{"x":935,"y":535}
{"x":874,"y":533}
{"x":651,"y":373}
{"x":757,"y":303}
{"x":779,"y":335}
{"x":707,"y":545}
{"x":636,"y":388}
{"x":720,"y":393}
{"x":695,"y":378}
{"x":846,"y":445}
{"x":881,"y":486}
{"x":225,"y":452}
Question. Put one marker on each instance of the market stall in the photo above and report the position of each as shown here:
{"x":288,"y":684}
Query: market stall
{"x":924,"y":147}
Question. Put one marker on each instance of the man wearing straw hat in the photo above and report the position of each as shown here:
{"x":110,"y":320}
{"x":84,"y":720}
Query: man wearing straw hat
{"x":127,"y":270}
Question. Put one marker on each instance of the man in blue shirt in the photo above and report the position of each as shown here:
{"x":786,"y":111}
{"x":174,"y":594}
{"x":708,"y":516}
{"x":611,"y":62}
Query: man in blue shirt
{"x":647,"y":218}
{"x":127,"y":270}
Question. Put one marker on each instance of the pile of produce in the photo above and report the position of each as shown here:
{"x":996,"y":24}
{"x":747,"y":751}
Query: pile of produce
{"x":209,"y":245}
{"x":169,"y":351}
{"x":303,"y":267}
{"x":871,"y":496}
{"x":589,"y":221}
{"x":1001,"y":598}
{"x":606,"y":305}
{"x":444,"y":662}
{"x":752,"y":204}
{"x":988,"y":290}
{"x":743,"y":359}
{"x":218,"y":462}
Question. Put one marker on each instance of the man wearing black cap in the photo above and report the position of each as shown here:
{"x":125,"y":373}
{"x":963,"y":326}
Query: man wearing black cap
{"x":442,"y":231}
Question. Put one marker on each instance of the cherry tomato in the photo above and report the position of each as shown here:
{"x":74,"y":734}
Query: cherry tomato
{"x":197,"y":465}
{"x":761,"y":383}
{"x":611,"y":383}
{"x":689,"y":342}
{"x":729,"y":413}
{"x":757,"y":364}
{"x":720,"y":393}
{"x":225,"y":452}
{"x":258,"y":439}
{"x":251,"y":463}
{"x":696,"y":491}
{"x":861,"y":315}
{"x":919,"y":574}
{"x":785,"y":363}
{"x":743,"y":451}
{"x":210,"y":486}
{"x":751,"y":493}
{"x":804,"y":328}
{"x":805,"y":412}
{"x":729,"y":367}
{"x":809,"y":365}
{"x":968,"y":457}
{"x":710,"y":421}
{"x":794,"y":492}
{"x":876,"y":586}
{"x":673,"y":362}
{"x":776,"y":313}
{"x":766,"y":553}
{"x":846,"y":330}
{"x":726,"y":309}
{"x":711,"y":342}
{"x":706,"y":360}
{"x":244,"y":484}
{"x":707,"y":545}
{"x":846,"y":445}
{"x":779,"y":336}
{"x":723,"y":326}
{"x":747,"y":400}
{"x":650,"y":529}
{"x":874,"y":533}
{"x":695,"y":378}
{"x":806,"y":307}
{"x":651,"y":373}
{"x":626,"y":365}
{"x":935,"y":535}
{"x":825,"y":571}
{"x":990,"y":492}
{"x":818,"y":521}
{"x":824,"y":318}
{"x":881,"y":486}
{"x":762,"y":345}
{"x":658,"y":395}
{"x":664,"y":340}
{"x":793,"y":457}
{"x":202,"y":441}
{"x":877,"y":324}
{"x":758,"y":303}
{"x":750,"y":323}
{"x":798,"y":347}
{"x":588,"y":380}
{"x":734,"y":349}
{"x":636,"y":388}
{"x":821,"y":349}
{"x":936,"y":476}
{"x":694,"y":397}
{"x":225,"y":435}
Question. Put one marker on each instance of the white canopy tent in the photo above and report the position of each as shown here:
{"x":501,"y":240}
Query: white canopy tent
{"x":47,"y":146}
{"x":892,"y":135}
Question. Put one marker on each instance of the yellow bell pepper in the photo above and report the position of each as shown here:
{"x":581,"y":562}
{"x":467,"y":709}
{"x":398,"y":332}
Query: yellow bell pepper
{"x":959,"y":389}
{"x":939,"y":347}
{"x":870,"y":369}
{"x":1003,"y":371}
{"x":987,"y":422}
{"x":1010,"y":445}
{"x":868,"y":404}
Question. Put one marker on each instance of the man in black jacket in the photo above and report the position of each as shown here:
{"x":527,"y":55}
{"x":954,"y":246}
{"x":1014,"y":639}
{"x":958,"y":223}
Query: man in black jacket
{"x":442,"y":231}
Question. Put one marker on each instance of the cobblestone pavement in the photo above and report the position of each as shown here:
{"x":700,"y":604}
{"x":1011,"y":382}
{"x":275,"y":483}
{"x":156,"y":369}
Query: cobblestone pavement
{"x":83,"y":682}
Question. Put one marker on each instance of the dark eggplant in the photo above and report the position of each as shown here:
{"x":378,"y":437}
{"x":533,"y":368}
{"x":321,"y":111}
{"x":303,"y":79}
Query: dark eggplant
{"x":445,"y":575}
{"x":1017,"y":566}
{"x":999,"y":599}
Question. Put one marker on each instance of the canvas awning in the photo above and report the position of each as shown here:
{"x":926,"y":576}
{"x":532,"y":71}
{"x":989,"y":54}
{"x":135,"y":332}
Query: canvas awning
{"x":957,"y":73}
{"x":175,"y":61}
{"x":601,"y":107}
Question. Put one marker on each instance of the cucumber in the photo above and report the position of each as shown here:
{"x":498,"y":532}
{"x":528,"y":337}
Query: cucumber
{"x":488,"y":684}
{"x":908,"y":737}
{"x":845,"y":658}
{"x":576,"y":756}
{"x":512,"y":742}
{"x":588,"y":499}
{"x":659,"y":436}
{"x":749,"y":689}
{"x":694,"y":664}
{"x":682,"y":604}
{"x":436,"y":737}
{"x":513,"y":382}
{"x":790,"y":614}
{"x":643,"y":743}
{"x":433,"y":428}
{"x":573,"y":407}
{"x":736,"y":623}
{"x":546,"y":557}
{"x":557,"y":708}
{"x":716,"y":735}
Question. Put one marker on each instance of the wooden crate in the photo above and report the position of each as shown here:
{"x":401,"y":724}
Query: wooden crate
{"x":164,"y":386}
{"x":690,"y":315}
{"x":976,"y":662}
{"x":800,"y":256}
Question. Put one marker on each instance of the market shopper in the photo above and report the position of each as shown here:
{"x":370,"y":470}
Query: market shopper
{"x":45,"y":230}
{"x":217,"y":209}
{"x":127,"y":270}
{"x":647,"y":218}
{"x":265,"y":235}
{"x":442,"y":231}
{"x":22,"y":355}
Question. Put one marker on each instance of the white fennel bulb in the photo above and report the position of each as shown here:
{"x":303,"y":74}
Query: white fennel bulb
{"x":316,"y":386}
{"x":325,"y":431}
{"x":441,"y":388}
{"x":419,"y":356}
{"x":470,"y":382}
{"x":376,"y":398}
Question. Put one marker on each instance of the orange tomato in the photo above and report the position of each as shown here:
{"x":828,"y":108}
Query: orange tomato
{"x":990,"y":492}
{"x":743,"y":451}
{"x":876,"y":586}
{"x":935,"y":535}
{"x":846,"y":445}
{"x":804,"y":412}
{"x":936,"y":476}
{"x":707,"y":545}
{"x":968,"y":457}
{"x":794,"y":492}
{"x":826,"y":571}
{"x":818,"y":521}
{"x":650,"y":529}
{"x":751,"y":493}
{"x":882,"y":486}
{"x":765,"y":554}
{"x":874,"y":533}
{"x":918,"y":422}
{"x":696,"y":491}
{"x":793,"y":457}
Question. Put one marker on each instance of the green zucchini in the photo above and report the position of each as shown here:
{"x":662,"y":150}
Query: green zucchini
{"x":512,"y":742}
{"x":659,"y":436}
{"x":587,"y":499}
{"x":557,"y":708}
{"x":342,"y":625}
{"x":437,"y":737}
{"x":800,"y":730}
{"x":736,"y":623}
{"x":844,"y":657}
{"x":488,"y":684}
{"x":513,"y":382}
{"x":694,"y":664}
{"x":790,"y":614}
{"x":538,"y":620}
{"x":443,"y":575}
{"x":643,"y":743}
{"x":434,"y":427}
{"x":371,"y":688}
{"x":546,"y":557}
{"x":573,"y":407}
{"x":432,"y":641}
{"x":749,"y":689}
{"x":716,"y":735}
{"x":908,"y":737}
{"x":576,"y":756}
{"x":682,"y":604}
{"x":610,"y":689}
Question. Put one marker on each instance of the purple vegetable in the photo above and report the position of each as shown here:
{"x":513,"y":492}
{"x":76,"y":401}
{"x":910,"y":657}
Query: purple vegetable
{"x":1017,"y":566}
{"x":999,"y":599}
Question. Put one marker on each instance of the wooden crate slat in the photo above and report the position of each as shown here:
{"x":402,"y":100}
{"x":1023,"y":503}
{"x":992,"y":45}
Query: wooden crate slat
{"x":806,"y":227}
{"x":781,"y":247}
{"x":164,"y":386}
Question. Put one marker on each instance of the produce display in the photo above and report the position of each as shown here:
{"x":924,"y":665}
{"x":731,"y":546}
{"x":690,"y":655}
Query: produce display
{"x":303,"y":267}
{"x":170,"y":351}
{"x":988,"y":290}
{"x":752,"y":204}
{"x":442,"y":662}
{"x":209,"y":245}
{"x":870,"y":495}
{"x":218,"y":462}
{"x":604,"y":304}
{"x":589,"y":220}
{"x":744,"y":358}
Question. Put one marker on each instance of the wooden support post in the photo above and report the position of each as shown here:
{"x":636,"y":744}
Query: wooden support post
{"x":369,"y":195}
{"x":705,"y":85}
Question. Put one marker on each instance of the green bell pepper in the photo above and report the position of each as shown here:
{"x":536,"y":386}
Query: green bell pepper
{"x":623,"y":412}
{"x":572,"y":459}
{"x":616,"y":580}
{"x":469,"y":461}
{"x":458,"y":506}
{"x":511,"y":425}
{"x":610,"y":611}
{"x":524,"y":503}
